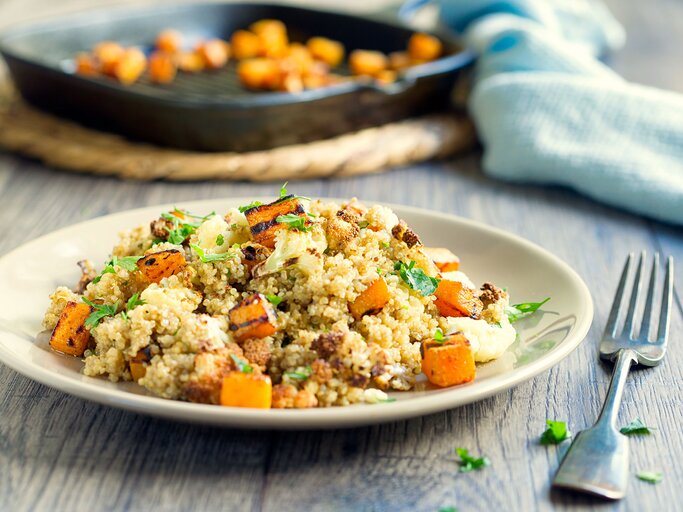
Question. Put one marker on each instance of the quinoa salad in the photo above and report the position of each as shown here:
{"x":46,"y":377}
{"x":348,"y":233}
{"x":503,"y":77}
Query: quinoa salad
{"x":293,"y":304}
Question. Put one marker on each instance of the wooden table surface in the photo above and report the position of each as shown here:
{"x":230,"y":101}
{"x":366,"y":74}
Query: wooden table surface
{"x":62,"y":453}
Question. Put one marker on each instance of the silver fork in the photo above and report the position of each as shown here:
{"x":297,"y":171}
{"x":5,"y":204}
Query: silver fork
{"x":597,"y":460}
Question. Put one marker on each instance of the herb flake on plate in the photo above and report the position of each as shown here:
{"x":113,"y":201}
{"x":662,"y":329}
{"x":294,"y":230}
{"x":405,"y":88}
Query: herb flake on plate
{"x":519,"y":311}
{"x":242,"y":365}
{"x":415,"y":278}
{"x":100,"y":311}
{"x":209,"y":258}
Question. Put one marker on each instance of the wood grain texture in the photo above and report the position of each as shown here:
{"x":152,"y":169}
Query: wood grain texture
{"x":62,"y":453}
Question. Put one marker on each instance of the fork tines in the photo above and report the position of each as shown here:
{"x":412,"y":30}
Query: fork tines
{"x":629,"y":329}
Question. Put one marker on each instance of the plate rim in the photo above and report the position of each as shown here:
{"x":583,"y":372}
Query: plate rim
{"x":306,"y":419}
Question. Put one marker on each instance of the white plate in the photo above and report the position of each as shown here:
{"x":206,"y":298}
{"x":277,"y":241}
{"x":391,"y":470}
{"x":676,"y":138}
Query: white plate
{"x":530,"y":273}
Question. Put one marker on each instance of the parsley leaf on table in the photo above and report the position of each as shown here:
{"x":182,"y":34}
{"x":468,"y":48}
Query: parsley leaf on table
{"x":635,"y":428}
{"x":469,"y":463}
{"x":653,"y":477}
{"x":100,"y":311}
{"x":415,"y":278}
{"x":555,"y":433}
{"x":519,"y":311}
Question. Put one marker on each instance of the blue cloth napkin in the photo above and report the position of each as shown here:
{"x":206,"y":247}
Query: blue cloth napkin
{"x":548,"y":111}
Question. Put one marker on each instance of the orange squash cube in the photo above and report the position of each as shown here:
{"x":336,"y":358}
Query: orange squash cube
{"x":247,"y":390}
{"x":398,"y":61}
{"x":86,"y":65}
{"x":138,"y":365}
{"x":327,"y":50}
{"x":190,"y":62}
{"x":215,"y":53}
{"x":450,"y":362}
{"x":454,"y":299}
{"x":130,"y":66}
{"x":162,"y":67}
{"x":70,"y":335}
{"x":424,"y":47}
{"x":263,"y":222}
{"x":169,"y":41}
{"x":260,"y":73}
{"x":253,"y":317}
{"x":444,"y":259}
{"x":158,"y":265}
{"x":108,"y":54}
{"x":245,"y":45}
{"x":371,"y":300}
{"x":273,"y":37}
{"x":367,"y":63}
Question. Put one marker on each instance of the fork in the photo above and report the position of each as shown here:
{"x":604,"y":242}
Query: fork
{"x":597,"y":460}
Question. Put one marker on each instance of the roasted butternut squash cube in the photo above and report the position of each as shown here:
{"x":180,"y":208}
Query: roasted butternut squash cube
{"x":260,"y":73}
{"x":86,"y":65}
{"x":371,"y":301}
{"x":367,"y":63}
{"x":450,"y":362}
{"x":190,"y":62}
{"x":70,"y":335}
{"x":327,"y":50}
{"x":454,"y":299}
{"x":247,"y":390}
{"x":215,"y":53}
{"x":245,"y":45}
{"x":298,"y":60}
{"x":398,"y":61}
{"x":169,"y":41}
{"x":253,"y":317}
{"x":130,"y":66}
{"x":138,"y":365}
{"x":263,"y":222}
{"x":424,"y":47}
{"x":444,"y":259}
{"x":386,"y":77}
{"x":108,"y":53}
{"x":273,"y":37}
{"x":158,"y":265}
{"x":162,"y":67}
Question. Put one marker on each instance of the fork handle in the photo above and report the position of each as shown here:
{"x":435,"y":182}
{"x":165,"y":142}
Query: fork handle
{"x":597,"y":460}
{"x":610,"y":408}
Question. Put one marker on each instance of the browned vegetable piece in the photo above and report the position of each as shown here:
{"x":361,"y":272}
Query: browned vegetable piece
{"x":260,"y":73}
{"x":169,"y":41}
{"x":245,"y":45}
{"x":130,"y":66}
{"x":273,"y":37}
{"x":86,"y":65}
{"x":108,"y":54}
{"x":366,"y":62}
{"x":423,"y":47}
{"x":263,"y":222}
{"x":292,"y":82}
{"x":444,"y":259}
{"x":190,"y":62}
{"x":138,"y":366}
{"x":70,"y":335}
{"x":159,"y":265}
{"x":454,"y":299}
{"x":162,"y":67}
{"x":372,"y":300}
{"x":215,"y":53}
{"x":450,"y":362}
{"x":399,"y":61}
{"x":386,"y":77}
{"x":298,"y":60}
{"x":327,"y":50}
{"x":253,"y":317}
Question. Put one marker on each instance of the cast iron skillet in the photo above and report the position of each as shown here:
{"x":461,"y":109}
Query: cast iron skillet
{"x":211,"y":111}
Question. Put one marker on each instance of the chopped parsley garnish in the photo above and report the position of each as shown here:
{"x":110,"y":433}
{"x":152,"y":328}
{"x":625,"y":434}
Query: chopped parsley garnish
{"x":386,"y":400}
{"x":386,"y":245}
{"x":220,"y":240}
{"x":302,"y":375}
{"x":519,"y":311}
{"x":126,"y":262}
{"x":283,"y":193}
{"x":415,"y":278}
{"x":448,"y":509}
{"x":439,"y":335}
{"x":469,"y":463}
{"x":249,"y":206}
{"x":274,"y":299}
{"x":134,"y":301}
{"x":363,"y":224}
{"x":182,"y":228}
{"x":208,"y":258}
{"x":636,"y":428}
{"x":653,"y":477}
{"x":100,"y":311}
{"x":555,"y":433}
{"x":242,"y":365}
{"x":293,"y":221}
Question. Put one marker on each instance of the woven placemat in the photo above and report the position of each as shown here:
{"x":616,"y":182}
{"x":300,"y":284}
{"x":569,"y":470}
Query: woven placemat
{"x":61,"y":143}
